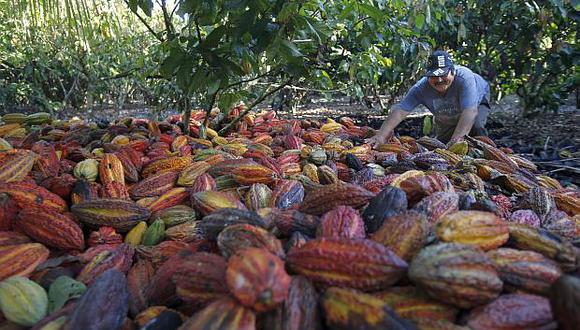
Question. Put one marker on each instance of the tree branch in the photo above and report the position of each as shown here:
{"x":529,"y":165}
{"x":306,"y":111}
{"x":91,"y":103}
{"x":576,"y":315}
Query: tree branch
{"x":252,"y":79}
{"x":198,"y":31}
{"x":168,"y":26}
{"x":209,"y":107}
{"x":251,"y":106}
{"x":145,"y":23}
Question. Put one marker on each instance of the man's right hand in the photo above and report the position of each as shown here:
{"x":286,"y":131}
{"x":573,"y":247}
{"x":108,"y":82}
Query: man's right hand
{"x":379,"y":138}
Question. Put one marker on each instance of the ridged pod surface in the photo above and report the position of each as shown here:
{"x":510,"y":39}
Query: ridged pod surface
{"x":565,"y":301}
{"x":300,"y":310}
{"x":342,"y":221}
{"x":250,"y":174}
{"x":438,"y":205}
{"x":8,"y":211}
{"x":223,"y":313}
{"x":16,"y":164}
{"x":111,"y":170}
{"x":207,"y":202}
{"x":104,"y":305}
{"x":413,"y":304}
{"x":241,"y":236}
{"x":138,"y":279}
{"x":540,"y":201}
{"x":287,"y":193}
{"x":121,"y":259}
{"x":174,"y":164}
{"x":513,"y":311}
{"x":568,"y":200}
{"x":154,"y":185}
{"x":213,"y":224}
{"x":525,"y":237}
{"x":405,"y":234}
{"x":457,"y":274}
{"x":175,"y":215}
{"x":346,"y":309}
{"x":357,"y":263}
{"x":258,"y":196}
{"x":327,"y":197}
{"x":525,"y":270}
{"x":189,"y":174}
{"x":257,"y":278}
{"x":389,"y":202}
{"x":23,"y":301}
{"x":287,"y":222}
{"x":170,"y":198}
{"x":13,"y":238}
{"x":21,"y":259}
{"x":119,"y":214}
{"x":51,"y":228}
{"x":27,"y":194}
{"x":483,"y":229}
{"x":201,"y":279}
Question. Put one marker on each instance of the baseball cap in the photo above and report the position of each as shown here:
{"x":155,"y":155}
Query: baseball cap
{"x":439,"y":64}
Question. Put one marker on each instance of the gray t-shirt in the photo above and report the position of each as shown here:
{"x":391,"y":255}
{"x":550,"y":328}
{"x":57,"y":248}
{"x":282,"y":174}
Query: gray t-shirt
{"x":468,"y":90}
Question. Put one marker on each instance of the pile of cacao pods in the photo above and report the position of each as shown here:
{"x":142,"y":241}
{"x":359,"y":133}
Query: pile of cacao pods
{"x":283,"y":224}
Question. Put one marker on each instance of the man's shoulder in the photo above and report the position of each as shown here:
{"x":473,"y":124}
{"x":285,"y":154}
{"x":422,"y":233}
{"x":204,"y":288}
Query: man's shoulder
{"x":464,"y":72}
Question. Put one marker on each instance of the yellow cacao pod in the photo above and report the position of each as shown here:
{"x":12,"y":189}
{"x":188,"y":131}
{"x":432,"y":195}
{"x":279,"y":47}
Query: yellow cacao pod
{"x":135,"y":235}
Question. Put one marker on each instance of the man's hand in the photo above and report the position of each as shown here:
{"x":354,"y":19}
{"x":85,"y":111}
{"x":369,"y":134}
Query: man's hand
{"x":379,"y":138}
{"x":454,"y":139}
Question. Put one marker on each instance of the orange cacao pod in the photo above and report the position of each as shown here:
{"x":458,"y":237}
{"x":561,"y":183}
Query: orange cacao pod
{"x":51,"y":228}
{"x":111,"y":170}
{"x":201,"y":279}
{"x":154,"y":185}
{"x":355,"y":263}
{"x":342,"y":221}
{"x":29,"y":194}
{"x":257,"y":279}
{"x":413,"y":304}
{"x":525,"y":270}
{"x":21,"y":259}
{"x":16,"y":164}
{"x":325,"y":198}
{"x":483,"y":229}
{"x":405,"y":234}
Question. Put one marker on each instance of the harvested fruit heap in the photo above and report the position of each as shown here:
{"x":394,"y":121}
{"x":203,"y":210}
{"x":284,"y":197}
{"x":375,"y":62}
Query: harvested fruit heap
{"x":285,"y":224}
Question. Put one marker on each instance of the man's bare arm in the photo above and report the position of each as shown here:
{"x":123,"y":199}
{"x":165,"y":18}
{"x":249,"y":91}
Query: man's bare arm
{"x":464,"y":125}
{"x":393,"y":120}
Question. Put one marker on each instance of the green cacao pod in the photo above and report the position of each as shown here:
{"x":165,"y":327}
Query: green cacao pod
{"x":87,"y":169}
{"x":154,"y":234}
{"x":23,"y":301}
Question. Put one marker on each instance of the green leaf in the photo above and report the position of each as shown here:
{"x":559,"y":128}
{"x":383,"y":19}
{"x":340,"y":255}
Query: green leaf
{"x":213,"y":85}
{"x":289,"y":48}
{"x":427,"y":125}
{"x":419,"y":20}
{"x":576,"y":5}
{"x":212,"y":40}
{"x":62,"y":290}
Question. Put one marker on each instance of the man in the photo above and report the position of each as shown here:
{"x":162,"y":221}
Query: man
{"x":457,"y":97}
